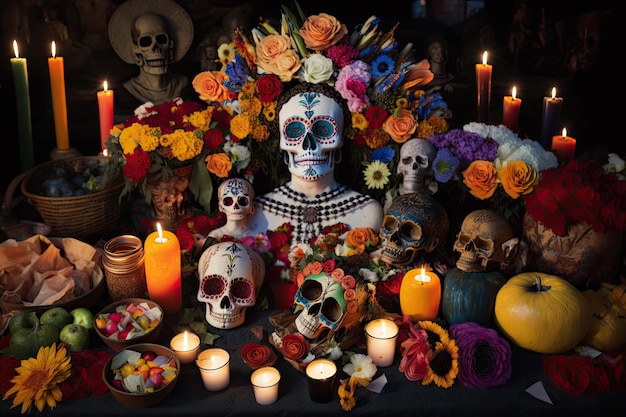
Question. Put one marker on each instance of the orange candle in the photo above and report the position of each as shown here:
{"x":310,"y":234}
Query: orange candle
{"x":483,"y":84}
{"x":420,"y":295}
{"x":105,"y":109}
{"x":510,"y":110}
{"x":563,"y":147}
{"x":163,"y":270}
{"x":59,"y":106}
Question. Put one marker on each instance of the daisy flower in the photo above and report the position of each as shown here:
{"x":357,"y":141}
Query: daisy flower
{"x":376,"y":175}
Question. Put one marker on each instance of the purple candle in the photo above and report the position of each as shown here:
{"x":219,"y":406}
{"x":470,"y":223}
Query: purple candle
{"x":550,"y":118}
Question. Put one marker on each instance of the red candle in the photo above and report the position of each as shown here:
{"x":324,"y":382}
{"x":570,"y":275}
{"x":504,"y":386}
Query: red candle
{"x":563,"y":147}
{"x":483,"y":84}
{"x":510,"y":110}
{"x":550,"y":117}
{"x":163,"y":270}
{"x":105,"y":109}
{"x":59,"y":105}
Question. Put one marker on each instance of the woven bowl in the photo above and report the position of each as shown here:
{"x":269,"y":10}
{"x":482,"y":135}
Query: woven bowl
{"x":141,"y":400}
{"x":117,"y":344}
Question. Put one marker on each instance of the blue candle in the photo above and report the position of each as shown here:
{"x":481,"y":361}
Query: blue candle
{"x":22,"y":98}
{"x":550,"y":118}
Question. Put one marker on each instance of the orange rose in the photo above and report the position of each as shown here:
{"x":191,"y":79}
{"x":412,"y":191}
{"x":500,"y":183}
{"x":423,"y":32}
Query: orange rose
{"x":218,"y":164}
{"x":322,"y":31}
{"x":275,"y":55}
{"x":400,"y":126}
{"x":361,"y":237}
{"x":480,"y":177}
{"x":518,"y":178}
{"x":210,"y":86}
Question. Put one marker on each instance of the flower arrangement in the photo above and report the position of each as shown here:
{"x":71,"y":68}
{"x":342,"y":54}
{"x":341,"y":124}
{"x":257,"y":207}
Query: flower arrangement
{"x":579,"y":192}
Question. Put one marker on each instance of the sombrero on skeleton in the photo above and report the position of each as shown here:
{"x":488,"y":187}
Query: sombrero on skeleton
{"x":179,"y":26}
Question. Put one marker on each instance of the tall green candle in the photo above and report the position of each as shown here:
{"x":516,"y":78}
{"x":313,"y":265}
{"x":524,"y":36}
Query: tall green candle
{"x":22,"y":97}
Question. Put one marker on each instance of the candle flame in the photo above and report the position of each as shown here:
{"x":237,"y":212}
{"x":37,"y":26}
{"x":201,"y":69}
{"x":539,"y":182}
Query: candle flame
{"x":514,"y":92}
{"x":564,"y":132}
{"x":485,"y":58}
{"x":185,"y":340}
{"x":105,"y":85}
{"x":54,"y":49}
{"x":553,"y":92}
{"x":105,"y":152}
{"x":17,"y":54}
{"x":159,"y":231}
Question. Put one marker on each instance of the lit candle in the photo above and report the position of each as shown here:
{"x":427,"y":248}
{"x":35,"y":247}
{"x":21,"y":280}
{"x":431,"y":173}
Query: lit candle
{"x":483,"y":84}
{"x":563,"y":147}
{"x":510,"y":110}
{"x":59,"y":106}
{"x":420,"y":295}
{"x":265,"y":385}
{"x":186,"y":346}
{"x":22,"y":98}
{"x":551,"y":114}
{"x":163,"y":269}
{"x":214,"y":365}
{"x":321,"y":380}
{"x":381,"y":336}
{"x":105,"y":109}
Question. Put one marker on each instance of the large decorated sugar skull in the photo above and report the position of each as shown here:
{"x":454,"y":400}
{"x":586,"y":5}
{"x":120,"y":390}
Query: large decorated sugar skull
{"x":414,"y":222}
{"x":311,"y":126}
{"x":486,"y":241}
{"x":415,"y":166}
{"x":231,"y":275}
{"x":152,"y":46}
{"x":235,"y":197}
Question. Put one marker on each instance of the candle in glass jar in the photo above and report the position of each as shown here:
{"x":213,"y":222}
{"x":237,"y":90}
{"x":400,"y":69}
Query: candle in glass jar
{"x":551,"y":114}
{"x":563,"y":147}
{"x":510,"y":110}
{"x":59,"y":104}
{"x":381,"y":336}
{"x":420,"y":295}
{"x":186,"y":346}
{"x":105,"y":110}
{"x":163,"y":270}
{"x":265,"y":385}
{"x":321,"y":380}
{"x":19,"y":67}
{"x":483,"y":84}
{"x":214,"y":365}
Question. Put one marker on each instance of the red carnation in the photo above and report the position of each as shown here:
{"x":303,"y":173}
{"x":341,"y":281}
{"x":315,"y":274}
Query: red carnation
{"x":137,"y":165}
{"x":213,"y":138}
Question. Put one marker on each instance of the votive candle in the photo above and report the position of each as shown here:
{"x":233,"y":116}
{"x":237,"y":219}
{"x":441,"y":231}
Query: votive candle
{"x":420,"y":295}
{"x":510,"y":110}
{"x":186,"y":346}
{"x":19,"y":67}
{"x":163,"y":269}
{"x":265,"y":385}
{"x":551,"y":113}
{"x":59,"y":104}
{"x":105,"y":111}
{"x":214,"y":365}
{"x":483,"y":85}
{"x":563,"y":147}
{"x":381,"y":336}
{"x":321,"y":380}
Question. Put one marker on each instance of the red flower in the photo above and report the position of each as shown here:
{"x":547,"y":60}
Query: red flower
{"x":257,"y":356}
{"x":137,"y":165}
{"x":294,"y":346}
{"x":284,"y":294}
{"x":416,"y":354}
{"x":222,"y":119}
{"x":268,"y":87}
{"x":185,"y":237}
{"x":389,"y":287}
{"x":213,"y":139}
{"x":375,"y":116}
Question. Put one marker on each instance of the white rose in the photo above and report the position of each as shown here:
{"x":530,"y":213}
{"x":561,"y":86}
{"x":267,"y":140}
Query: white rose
{"x":316,"y":68}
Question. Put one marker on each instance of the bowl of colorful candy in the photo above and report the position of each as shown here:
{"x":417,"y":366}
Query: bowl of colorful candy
{"x":142,"y":375}
{"x":129,"y":321}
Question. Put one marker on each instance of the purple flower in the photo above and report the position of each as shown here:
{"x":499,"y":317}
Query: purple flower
{"x":445,"y":165}
{"x":484,"y":357}
{"x":467,"y":146}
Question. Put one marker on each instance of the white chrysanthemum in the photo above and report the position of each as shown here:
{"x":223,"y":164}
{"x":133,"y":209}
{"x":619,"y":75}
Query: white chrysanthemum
{"x":240,"y":155}
{"x":614,"y":164}
{"x":360,"y":366}
{"x":335,"y":353}
{"x":368,"y":275}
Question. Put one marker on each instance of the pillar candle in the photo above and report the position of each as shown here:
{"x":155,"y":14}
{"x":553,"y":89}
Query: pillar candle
{"x":420,"y":295}
{"x":265,"y":385}
{"x":563,"y":147}
{"x":551,"y":114}
{"x":510,"y":110}
{"x":214,"y":365}
{"x":163,"y":269}
{"x":381,"y":336}
{"x":105,"y":110}
{"x":19,"y":67}
{"x":320,"y":375}
{"x":483,"y":84}
{"x":59,"y":105}
{"x":186,"y":346}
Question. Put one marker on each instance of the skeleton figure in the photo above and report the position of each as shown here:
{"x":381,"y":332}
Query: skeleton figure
{"x":415,"y":167}
{"x":486,"y":241}
{"x":235,"y":197}
{"x":231,"y":276}
{"x":413,"y":223}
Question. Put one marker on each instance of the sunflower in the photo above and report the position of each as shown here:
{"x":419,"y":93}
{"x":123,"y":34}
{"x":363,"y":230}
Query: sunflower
{"x":435,"y":332}
{"x":443,"y":367}
{"x":38,"y":378}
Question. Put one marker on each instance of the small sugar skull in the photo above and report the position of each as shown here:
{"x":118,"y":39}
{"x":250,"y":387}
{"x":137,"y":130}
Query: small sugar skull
{"x":231,"y":275}
{"x":414,"y":222}
{"x":323,"y":305}
{"x":486,"y":240}
{"x":235,"y":197}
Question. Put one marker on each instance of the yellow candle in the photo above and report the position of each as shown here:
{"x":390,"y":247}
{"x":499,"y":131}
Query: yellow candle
{"x":105,"y":110}
{"x":163,"y":269}
{"x":265,"y":385}
{"x":420,"y":295}
{"x":381,"y":336}
{"x":214,"y":365}
{"x":186,"y":346}
{"x":59,"y":106}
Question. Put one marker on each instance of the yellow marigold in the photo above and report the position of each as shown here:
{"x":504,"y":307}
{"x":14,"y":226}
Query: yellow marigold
{"x":200,"y":119}
{"x":481,"y":178}
{"x":518,"y":178}
{"x":269,"y":111}
{"x":186,"y":146}
{"x":137,"y":134}
{"x":253,"y":106}
{"x":424,"y":130}
{"x":260,"y":132}
{"x":359,"y":121}
{"x":439,"y":124}
{"x":248,"y":89}
{"x":346,"y":398}
{"x":240,"y":126}
{"x":402,"y":103}
{"x":218,"y":164}
{"x":377,"y":138}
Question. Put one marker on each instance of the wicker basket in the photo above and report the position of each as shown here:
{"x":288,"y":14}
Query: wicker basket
{"x":76,"y":216}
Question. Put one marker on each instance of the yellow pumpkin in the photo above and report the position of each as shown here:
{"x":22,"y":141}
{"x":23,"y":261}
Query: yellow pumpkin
{"x":542,"y":313}
{"x":608,"y":321}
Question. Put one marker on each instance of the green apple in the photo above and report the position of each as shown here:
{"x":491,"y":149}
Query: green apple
{"x":56,"y":316}
{"x":75,"y":336}
{"x":82,"y":316}
{"x":22,"y":320}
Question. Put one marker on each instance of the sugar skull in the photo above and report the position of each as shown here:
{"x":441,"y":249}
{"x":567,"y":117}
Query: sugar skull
{"x":231,"y":275}
{"x":235,"y":197}
{"x":414,"y":222}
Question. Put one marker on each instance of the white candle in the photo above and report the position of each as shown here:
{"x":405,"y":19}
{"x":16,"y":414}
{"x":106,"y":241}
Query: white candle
{"x":321,"y":378}
{"x":214,"y":367}
{"x":186,"y":346}
{"x":265,"y":384}
{"x":381,"y":335}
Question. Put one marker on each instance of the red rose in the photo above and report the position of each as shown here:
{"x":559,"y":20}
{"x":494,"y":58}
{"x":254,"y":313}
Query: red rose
{"x":268,"y":88}
{"x":295,"y":346}
{"x":284,"y":294}
{"x":390,"y":287}
{"x":257,"y":356}
{"x":222,"y":119}
{"x":185,"y":237}
{"x":213,"y":138}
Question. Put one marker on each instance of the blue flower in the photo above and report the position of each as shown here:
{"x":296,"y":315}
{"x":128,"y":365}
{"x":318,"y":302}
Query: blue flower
{"x":431,"y":103}
{"x":382,"y":65}
{"x":384,"y":154}
{"x":445,"y":165}
{"x":238,"y":74}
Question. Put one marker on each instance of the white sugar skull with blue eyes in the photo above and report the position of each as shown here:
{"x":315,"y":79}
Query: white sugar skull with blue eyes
{"x":311,"y":126}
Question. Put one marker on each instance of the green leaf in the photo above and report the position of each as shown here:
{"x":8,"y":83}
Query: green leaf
{"x":208,"y":338}
{"x":200,"y":184}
